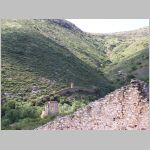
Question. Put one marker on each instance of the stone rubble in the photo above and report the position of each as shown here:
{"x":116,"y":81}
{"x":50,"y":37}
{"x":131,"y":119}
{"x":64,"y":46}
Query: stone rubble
{"x":35,"y":90}
{"x":124,"y":109}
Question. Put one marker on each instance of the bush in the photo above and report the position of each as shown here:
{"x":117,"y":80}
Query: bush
{"x":146,"y":79}
{"x":5,"y":122}
{"x":65,"y":109}
{"x":139,"y":63}
{"x":133,"y":67}
{"x":118,"y":80}
{"x":13,"y":115}
{"x":39,"y":102}
{"x":19,"y":52}
{"x":98,"y":92}
{"x":77,"y":104}
{"x":129,"y":77}
{"x":45,"y":98}
{"x":11,"y":104}
{"x":62,"y":100}
{"x":30,"y":112}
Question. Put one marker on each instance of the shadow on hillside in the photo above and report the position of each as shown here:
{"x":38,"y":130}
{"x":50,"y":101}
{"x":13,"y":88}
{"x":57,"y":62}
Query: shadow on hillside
{"x":38,"y":54}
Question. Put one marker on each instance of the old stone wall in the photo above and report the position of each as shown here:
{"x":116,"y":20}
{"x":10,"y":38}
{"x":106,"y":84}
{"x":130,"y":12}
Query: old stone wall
{"x":51,"y":108}
{"x":126,"y":108}
{"x":76,"y":89}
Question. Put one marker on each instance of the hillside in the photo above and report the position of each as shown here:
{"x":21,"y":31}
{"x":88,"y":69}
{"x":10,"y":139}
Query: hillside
{"x":128,"y":52}
{"x":41,"y":57}
{"x":126,"y":108}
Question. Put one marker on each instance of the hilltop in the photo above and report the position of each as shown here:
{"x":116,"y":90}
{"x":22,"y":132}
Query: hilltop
{"x":65,"y":24}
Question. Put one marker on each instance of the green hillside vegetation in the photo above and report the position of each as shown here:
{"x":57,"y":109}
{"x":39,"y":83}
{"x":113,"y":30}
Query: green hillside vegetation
{"x":40,"y":57}
{"x":128,"y":52}
{"x":31,"y":58}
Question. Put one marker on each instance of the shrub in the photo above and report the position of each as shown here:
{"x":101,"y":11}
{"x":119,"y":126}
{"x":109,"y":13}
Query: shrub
{"x":5,"y":122}
{"x":77,"y":104}
{"x":62,"y":99}
{"x":20,"y":52}
{"x":139,"y":63}
{"x":30,"y":112}
{"x":129,"y":77}
{"x":11,"y":104}
{"x":133,"y":67}
{"x":64,"y":109}
{"x":33,"y":102}
{"x":118,"y":80}
{"x":39,"y":102}
{"x":3,"y":110}
{"x":13,"y":115}
{"x":98,"y":92}
{"x":146,"y":79}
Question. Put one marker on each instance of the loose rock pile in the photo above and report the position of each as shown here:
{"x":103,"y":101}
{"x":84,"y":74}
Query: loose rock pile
{"x":124,"y":109}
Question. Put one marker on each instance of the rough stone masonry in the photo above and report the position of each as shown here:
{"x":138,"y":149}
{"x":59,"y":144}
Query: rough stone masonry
{"x":126,"y":108}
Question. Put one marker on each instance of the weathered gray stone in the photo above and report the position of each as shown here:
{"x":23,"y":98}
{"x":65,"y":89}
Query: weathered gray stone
{"x":51,"y":108}
{"x":124,"y":109}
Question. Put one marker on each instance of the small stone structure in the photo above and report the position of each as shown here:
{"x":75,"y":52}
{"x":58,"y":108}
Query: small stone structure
{"x":126,"y":108}
{"x":35,"y":90}
{"x":51,"y":108}
{"x":71,"y":85}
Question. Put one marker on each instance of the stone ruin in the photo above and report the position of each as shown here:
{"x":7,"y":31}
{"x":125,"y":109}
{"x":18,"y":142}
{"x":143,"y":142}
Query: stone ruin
{"x":126,"y":108}
{"x":51,"y":108}
{"x":72,"y":85}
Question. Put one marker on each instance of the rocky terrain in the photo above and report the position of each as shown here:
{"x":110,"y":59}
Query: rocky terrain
{"x":124,"y":109}
{"x":65,"y":24}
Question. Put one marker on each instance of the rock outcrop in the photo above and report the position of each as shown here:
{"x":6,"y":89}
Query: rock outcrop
{"x":65,"y":24}
{"x":126,"y":108}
